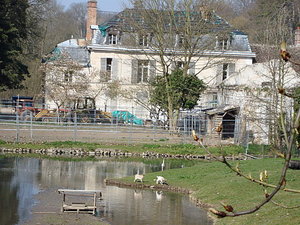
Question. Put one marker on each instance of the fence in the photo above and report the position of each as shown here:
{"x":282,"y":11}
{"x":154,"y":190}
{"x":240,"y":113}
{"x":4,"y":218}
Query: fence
{"x":89,"y":127}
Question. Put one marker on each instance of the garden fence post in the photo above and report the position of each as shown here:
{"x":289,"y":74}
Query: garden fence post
{"x":31,"y":132}
{"x":75,"y":127}
{"x":17,"y":122}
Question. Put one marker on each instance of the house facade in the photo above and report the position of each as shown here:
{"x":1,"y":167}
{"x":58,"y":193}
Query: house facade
{"x":122,"y":61}
{"x":123,"y":56}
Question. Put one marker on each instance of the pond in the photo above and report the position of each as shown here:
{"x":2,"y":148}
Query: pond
{"x":22,"y":178}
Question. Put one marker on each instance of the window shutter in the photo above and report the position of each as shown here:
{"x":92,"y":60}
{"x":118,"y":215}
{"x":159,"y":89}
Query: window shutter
{"x":219,"y":74}
{"x":114,"y":69}
{"x":103,"y":64}
{"x":134,"y":71}
{"x":192,"y":68}
{"x":152,"y":70}
{"x":231,"y":68}
{"x":103,"y":69}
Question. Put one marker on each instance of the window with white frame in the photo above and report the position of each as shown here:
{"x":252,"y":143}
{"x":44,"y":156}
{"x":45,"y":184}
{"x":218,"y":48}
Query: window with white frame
{"x":223,"y":43}
{"x":112,"y":39}
{"x":143,"y":71}
{"x":214,"y":102}
{"x":143,"y":40}
{"x":227,"y":70}
{"x":106,"y":69}
{"x":85,"y":103}
{"x":68,"y":76}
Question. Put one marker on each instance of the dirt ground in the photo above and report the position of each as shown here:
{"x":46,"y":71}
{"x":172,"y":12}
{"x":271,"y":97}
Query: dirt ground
{"x":89,"y":134}
{"x":47,"y":212}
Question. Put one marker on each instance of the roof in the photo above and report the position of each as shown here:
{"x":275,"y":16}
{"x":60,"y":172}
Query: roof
{"x":129,"y":16}
{"x":74,"y":48}
{"x":222,"y":109}
{"x":215,"y":24}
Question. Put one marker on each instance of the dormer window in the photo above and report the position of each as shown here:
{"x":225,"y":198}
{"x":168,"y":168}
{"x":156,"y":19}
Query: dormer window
{"x":113,"y":36}
{"x":112,"y":39}
{"x":223,"y":43}
{"x":143,"y":40}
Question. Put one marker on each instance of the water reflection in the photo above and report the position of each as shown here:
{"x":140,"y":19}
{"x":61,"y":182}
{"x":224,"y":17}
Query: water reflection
{"x":17,"y":187}
{"x":21,"y":178}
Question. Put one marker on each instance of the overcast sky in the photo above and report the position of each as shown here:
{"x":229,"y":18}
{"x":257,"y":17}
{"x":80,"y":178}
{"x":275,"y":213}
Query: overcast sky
{"x":103,"y":5}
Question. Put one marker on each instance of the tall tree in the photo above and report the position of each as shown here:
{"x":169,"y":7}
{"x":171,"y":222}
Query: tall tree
{"x":77,"y":13}
{"x":176,"y":34}
{"x":13,"y":33}
{"x":257,"y":16}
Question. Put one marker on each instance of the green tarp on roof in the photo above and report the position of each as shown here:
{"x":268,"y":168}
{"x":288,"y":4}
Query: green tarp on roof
{"x":103,"y":30}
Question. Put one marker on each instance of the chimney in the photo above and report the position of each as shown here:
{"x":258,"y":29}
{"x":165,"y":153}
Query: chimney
{"x":297,"y":37}
{"x":91,"y":18}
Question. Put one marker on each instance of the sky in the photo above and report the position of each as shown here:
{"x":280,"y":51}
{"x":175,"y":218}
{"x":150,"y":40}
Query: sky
{"x":103,"y":5}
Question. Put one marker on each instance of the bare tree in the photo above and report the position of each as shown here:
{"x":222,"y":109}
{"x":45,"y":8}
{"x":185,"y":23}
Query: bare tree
{"x":77,"y":14}
{"x":176,"y":34}
{"x":288,"y":124}
{"x":65,"y":81}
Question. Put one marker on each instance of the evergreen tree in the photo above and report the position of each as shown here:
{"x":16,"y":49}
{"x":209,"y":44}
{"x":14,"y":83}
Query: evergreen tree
{"x":12,"y":34}
{"x":184,"y":91}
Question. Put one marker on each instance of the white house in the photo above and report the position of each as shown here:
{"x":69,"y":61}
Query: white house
{"x":122,"y":62}
{"x":114,"y":55}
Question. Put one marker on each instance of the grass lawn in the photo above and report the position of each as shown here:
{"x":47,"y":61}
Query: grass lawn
{"x":212,"y":182}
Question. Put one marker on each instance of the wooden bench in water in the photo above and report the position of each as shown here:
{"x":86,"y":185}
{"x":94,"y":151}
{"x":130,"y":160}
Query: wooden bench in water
{"x":79,"y":207}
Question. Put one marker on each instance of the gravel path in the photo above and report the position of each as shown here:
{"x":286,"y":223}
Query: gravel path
{"x":89,"y":134}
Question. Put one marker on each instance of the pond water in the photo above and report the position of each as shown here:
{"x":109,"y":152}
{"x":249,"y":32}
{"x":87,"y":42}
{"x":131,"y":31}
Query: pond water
{"x":22,"y":178}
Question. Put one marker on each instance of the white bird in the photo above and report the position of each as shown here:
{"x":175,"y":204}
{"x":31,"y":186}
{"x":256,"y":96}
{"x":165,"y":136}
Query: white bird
{"x":160,"y":180}
{"x":163,"y":165}
{"x":138,"y":177}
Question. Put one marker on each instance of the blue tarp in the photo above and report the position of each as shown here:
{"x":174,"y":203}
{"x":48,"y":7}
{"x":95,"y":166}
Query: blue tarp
{"x":127,"y":117}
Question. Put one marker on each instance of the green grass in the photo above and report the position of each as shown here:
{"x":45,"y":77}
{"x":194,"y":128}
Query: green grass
{"x":212,"y":182}
{"x":256,"y":149}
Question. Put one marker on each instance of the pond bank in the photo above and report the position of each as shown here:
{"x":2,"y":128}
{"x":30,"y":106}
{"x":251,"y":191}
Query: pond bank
{"x":157,"y":187}
{"x":113,"y":153}
{"x":210,"y":183}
